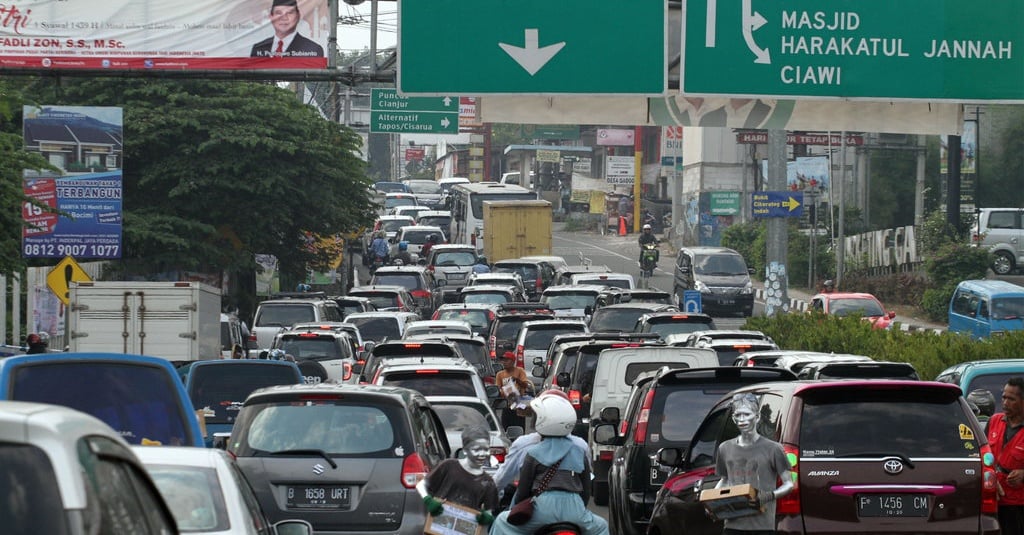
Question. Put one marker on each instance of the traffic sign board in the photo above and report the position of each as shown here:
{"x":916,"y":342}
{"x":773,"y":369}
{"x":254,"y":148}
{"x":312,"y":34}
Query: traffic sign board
{"x":59,"y":278}
{"x":777,"y":204}
{"x":394,"y":114}
{"x":532,"y":47}
{"x":691,"y":302}
{"x":913,"y":49}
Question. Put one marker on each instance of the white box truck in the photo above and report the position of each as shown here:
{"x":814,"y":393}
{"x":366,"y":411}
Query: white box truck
{"x":178,"y":321}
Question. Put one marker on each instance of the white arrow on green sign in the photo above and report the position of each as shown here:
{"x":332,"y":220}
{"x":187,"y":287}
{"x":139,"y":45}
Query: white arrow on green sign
{"x":391,"y":113}
{"x":871,"y":49}
{"x":584,"y":47}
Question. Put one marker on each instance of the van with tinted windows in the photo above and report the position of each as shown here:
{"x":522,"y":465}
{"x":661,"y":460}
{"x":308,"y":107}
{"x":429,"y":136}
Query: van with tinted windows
{"x":983,"y":308}
{"x":141,"y":398}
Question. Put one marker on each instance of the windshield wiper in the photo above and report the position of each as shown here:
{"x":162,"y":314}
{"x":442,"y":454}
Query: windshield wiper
{"x":321,"y":453}
{"x":906,"y":460}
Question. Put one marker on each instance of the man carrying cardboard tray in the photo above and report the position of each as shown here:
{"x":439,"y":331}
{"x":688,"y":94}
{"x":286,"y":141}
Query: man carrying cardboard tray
{"x":754,"y":464}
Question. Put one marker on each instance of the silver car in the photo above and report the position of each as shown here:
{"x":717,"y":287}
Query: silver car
{"x":454,"y":264}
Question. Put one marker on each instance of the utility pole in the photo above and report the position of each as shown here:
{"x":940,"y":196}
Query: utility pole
{"x":953,"y":182}
{"x":841,"y":237}
{"x":638,"y":165}
{"x":776,"y":282}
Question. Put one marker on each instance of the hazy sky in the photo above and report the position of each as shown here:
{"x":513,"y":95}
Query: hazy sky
{"x":356,"y":36}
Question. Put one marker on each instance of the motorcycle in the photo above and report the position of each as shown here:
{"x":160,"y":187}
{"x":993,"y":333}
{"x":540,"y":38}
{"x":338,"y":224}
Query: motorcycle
{"x":649,"y":255}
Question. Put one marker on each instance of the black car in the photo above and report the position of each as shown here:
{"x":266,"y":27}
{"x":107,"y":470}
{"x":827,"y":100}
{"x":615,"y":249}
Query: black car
{"x":623,"y":316}
{"x":536,"y":274}
{"x":664,"y":409}
{"x":406,"y":348}
{"x":505,"y":327}
{"x":353,"y":303}
{"x":720,"y":274}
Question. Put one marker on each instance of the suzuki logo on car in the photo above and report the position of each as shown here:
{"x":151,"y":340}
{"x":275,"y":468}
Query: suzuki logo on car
{"x":892,"y":466}
{"x":318,"y":469}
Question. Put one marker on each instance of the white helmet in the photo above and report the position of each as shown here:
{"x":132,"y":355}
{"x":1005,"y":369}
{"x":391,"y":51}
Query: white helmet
{"x":556,"y":417}
{"x":647,"y":227}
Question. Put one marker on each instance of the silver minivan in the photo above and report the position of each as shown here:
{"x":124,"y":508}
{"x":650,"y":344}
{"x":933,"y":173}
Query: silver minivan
{"x":1002,"y":231}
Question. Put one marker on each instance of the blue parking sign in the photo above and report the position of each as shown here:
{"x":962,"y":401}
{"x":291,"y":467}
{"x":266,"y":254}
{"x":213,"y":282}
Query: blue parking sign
{"x":691,"y":302}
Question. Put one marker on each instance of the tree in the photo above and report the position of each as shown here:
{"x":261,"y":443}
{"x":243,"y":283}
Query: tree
{"x":218,"y":171}
{"x":13,"y":161}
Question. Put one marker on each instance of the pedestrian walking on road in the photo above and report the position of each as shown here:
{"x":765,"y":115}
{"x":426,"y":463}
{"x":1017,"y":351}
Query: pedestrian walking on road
{"x":1007,"y":445}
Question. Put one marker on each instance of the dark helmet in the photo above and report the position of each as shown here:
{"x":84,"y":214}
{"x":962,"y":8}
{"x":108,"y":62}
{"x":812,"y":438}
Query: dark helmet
{"x":33,"y":339}
{"x":432,"y":238}
{"x":481,"y":259}
{"x":984,"y":400}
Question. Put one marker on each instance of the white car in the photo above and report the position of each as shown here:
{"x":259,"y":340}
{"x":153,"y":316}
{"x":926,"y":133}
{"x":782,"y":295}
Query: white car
{"x":438,"y":327}
{"x":207,"y":493}
{"x":618,"y":280}
{"x":416,"y":236}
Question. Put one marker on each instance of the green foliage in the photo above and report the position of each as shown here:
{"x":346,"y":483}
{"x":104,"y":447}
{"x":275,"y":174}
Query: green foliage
{"x":750,"y":240}
{"x":928,"y":352}
{"x":949,"y":259}
{"x":743,"y":237}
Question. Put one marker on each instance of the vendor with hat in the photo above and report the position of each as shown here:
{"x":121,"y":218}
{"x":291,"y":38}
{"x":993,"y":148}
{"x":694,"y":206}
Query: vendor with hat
{"x":286,"y":42}
{"x":514,"y":385}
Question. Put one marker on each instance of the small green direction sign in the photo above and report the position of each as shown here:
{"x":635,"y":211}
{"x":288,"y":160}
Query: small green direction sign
{"x":871,"y":49}
{"x":572,"y":47}
{"x":394,"y":114}
{"x":725,"y":203}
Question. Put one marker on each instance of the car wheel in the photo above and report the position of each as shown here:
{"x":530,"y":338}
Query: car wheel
{"x":1003,"y":263}
{"x":601,"y":493}
{"x":312,"y":372}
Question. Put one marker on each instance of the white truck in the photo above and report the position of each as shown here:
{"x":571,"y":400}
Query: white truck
{"x":178,"y":321}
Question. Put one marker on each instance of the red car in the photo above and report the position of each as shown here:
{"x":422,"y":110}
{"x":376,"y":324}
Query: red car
{"x":850,"y":303}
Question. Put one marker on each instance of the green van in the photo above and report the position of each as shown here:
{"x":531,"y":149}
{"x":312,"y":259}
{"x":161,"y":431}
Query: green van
{"x":983,"y":308}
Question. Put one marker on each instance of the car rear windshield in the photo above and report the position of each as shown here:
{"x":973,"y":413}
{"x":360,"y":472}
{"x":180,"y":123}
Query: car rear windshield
{"x":459,"y":416}
{"x":636,"y":368}
{"x":223,"y":388}
{"x":140,"y":401}
{"x":605,"y":281}
{"x":679,"y":411}
{"x":432,"y":382}
{"x":564,"y":300}
{"x":435,"y":221}
{"x":528,"y":272}
{"x":190,"y":495}
{"x":993,"y":382}
{"x":455,"y":258}
{"x":417,"y":237}
{"x":381,"y":300}
{"x":719,"y":265}
{"x":315,"y":348}
{"x":728,"y":354}
{"x":377,"y":329}
{"x":30,"y":484}
{"x":855,"y":307}
{"x":283,"y":315}
{"x":665,"y":329}
{"x":485,"y":297}
{"x":477,"y":319}
{"x":333,"y":425}
{"x":539,"y":338}
{"x":615,"y":319}
{"x":869,"y":371}
{"x":392,"y":225}
{"x":409,"y":281}
{"x":906,"y":421}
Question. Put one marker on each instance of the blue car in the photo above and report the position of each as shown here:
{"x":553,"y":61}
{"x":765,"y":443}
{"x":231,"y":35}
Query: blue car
{"x":140,"y":397}
{"x":989,"y":375}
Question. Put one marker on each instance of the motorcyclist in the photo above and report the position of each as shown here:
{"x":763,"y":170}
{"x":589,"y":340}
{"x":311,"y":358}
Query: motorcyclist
{"x":37,"y":342}
{"x":379,"y":247}
{"x":403,"y":253}
{"x":646,"y":236}
{"x":828,"y":287}
{"x":568,"y":489}
{"x":431,"y":242}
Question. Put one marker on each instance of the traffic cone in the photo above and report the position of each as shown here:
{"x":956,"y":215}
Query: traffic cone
{"x":622,"y":226}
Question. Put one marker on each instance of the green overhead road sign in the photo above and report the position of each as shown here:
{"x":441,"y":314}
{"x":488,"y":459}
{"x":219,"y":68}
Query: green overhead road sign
{"x":568,"y":47}
{"x":870,"y":49}
{"x":394,"y":114}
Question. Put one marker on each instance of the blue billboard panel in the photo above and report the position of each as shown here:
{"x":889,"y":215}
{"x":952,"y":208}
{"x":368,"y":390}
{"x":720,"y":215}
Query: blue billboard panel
{"x":777,"y":204}
{"x":88,"y":222}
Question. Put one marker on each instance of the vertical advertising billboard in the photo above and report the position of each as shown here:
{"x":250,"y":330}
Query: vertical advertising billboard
{"x":85,"y":200}
{"x":164,"y":34}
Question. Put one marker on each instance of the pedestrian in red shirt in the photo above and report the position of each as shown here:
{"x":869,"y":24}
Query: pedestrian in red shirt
{"x":1007,"y":443}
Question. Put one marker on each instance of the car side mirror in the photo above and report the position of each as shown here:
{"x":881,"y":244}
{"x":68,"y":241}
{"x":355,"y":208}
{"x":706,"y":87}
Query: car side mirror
{"x":293,"y":527}
{"x":264,"y":355}
{"x":368,"y":347}
{"x":538,"y":361}
{"x":563,"y":378}
{"x":499,"y":404}
{"x":492,"y":391}
{"x":440,"y":282}
{"x":891,"y":314}
{"x":684,"y":269}
{"x":610,"y":414}
{"x":514,"y":431}
{"x":220,"y":440}
{"x":750,"y":271}
{"x":607,"y":435}
{"x":422,"y":261}
{"x":670,"y":457}
{"x":538,"y":371}
{"x":588,"y":310}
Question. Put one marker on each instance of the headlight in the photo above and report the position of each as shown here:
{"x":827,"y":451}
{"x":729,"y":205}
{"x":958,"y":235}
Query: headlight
{"x":748,"y":288}
{"x":701,"y":287}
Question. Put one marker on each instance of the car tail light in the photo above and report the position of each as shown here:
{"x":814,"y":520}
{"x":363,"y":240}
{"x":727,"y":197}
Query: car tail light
{"x":623,"y":428}
{"x":520,"y":356}
{"x":420,"y":294}
{"x":562,"y":532}
{"x":499,"y":453}
{"x":413,"y":471}
{"x":252,"y":337}
{"x":398,"y":301}
{"x":490,"y":316}
{"x":624,"y":345}
{"x":488,"y":379}
{"x":643,"y":417}
{"x":574,"y":398}
{"x":989,"y":484}
{"x":308,"y":335}
{"x":428,"y":371}
{"x":347,"y":373}
{"x":412,"y":346}
{"x":605,"y":455}
{"x":319,"y":397}
{"x":790,"y":503}
{"x":976,"y":237}
{"x":539,"y":283}
{"x":472,"y":239}
{"x":430,"y":268}
{"x":493,"y":342}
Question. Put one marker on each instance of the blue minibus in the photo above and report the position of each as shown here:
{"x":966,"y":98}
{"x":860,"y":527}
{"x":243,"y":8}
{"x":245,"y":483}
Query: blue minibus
{"x":983,"y":308}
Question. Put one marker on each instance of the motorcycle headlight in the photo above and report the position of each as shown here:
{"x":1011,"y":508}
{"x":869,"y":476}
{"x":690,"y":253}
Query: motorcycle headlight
{"x":701,"y":287}
{"x":748,"y":288}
